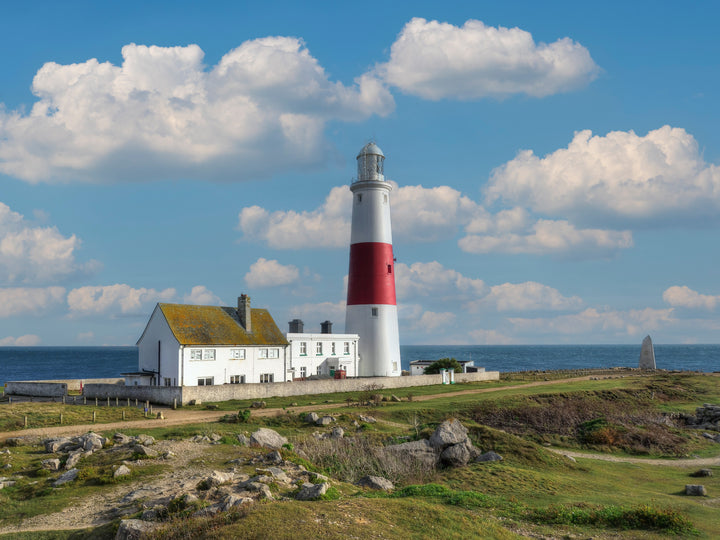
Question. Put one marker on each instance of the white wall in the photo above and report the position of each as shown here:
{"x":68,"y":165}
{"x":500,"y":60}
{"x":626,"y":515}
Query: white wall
{"x":158,"y":330}
{"x":223,"y":367}
{"x":327,"y":360}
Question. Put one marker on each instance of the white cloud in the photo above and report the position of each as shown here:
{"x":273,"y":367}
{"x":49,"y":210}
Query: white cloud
{"x":621,"y":176}
{"x":529,"y":296}
{"x":685,"y":297}
{"x":36,"y":254}
{"x":20,"y":300}
{"x":424,"y":279}
{"x":430,"y":321}
{"x":115,"y":299}
{"x":28,"y":340}
{"x":598,"y":323}
{"x":419,"y":215}
{"x":313,"y":314}
{"x":490,"y":337}
{"x":201,"y":296}
{"x":270,"y":273}
{"x":437,"y":60}
{"x":549,"y":237}
{"x":260,"y":110}
{"x":327,"y":226}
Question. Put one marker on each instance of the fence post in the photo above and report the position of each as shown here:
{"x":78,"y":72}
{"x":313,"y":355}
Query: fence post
{"x":94,"y":416}
{"x":128,"y":402}
{"x":60,"y":418}
{"x":25,"y":420}
{"x":174,"y":403}
{"x":117,"y":402}
{"x":96,"y":402}
{"x":108,"y":401}
{"x":123,"y":415}
{"x":63,"y":401}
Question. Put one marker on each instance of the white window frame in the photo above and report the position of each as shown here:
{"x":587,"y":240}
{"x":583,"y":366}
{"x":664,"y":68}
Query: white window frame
{"x":237,"y":354}
{"x":267,"y":377}
{"x":319,"y":348}
{"x":195,"y":355}
{"x":332,"y":348}
{"x":319,"y":370}
{"x":346,"y":348}
{"x":303,"y":372}
{"x":273,"y":354}
{"x":206,"y":381}
{"x":209,"y":354}
{"x":303,"y":348}
{"x":237,"y":379}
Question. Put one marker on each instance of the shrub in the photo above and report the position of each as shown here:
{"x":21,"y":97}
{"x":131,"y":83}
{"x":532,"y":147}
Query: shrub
{"x":443,"y":363}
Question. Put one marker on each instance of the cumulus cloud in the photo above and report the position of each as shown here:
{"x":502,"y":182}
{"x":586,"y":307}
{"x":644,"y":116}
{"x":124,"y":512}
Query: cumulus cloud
{"x":22,"y":300}
{"x":598,"y":322}
{"x":683,"y":296}
{"x":28,"y":340}
{"x":163,"y":113}
{"x":200,"y":295}
{"x":436,"y":60}
{"x":419,"y":214}
{"x":430,"y":321}
{"x":118,"y":299}
{"x":432,"y":278}
{"x":270,"y":273}
{"x":529,"y":296}
{"x":549,"y":237}
{"x":31,"y":254}
{"x":620,"y":176}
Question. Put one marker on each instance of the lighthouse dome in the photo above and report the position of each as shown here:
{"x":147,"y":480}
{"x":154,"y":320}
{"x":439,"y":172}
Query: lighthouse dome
{"x":371,"y":148}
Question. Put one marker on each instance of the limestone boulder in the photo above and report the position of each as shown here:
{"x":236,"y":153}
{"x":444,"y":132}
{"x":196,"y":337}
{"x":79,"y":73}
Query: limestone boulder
{"x":310,"y":492}
{"x":695,"y":490}
{"x":448,"y":433}
{"x":324,"y":421}
{"x":267,"y":438}
{"x":488,"y":456}
{"x":456,"y":455}
{"x":144,"y":451}
{"x":311,"y":417}
{"x":337,"y":433}
{"x":134,"y":529}
{"x":122,"y":470}
{"x":52,"y":464}
{"x":377,"y":483}
{"x":218,"y":478}
{"x":66,"y":477}
{"x":421,"y":451}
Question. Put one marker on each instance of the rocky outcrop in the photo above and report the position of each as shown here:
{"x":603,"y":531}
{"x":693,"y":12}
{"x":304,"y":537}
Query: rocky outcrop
{"x":267,"y":438}
{"x":310,"y":492}
{"x":134,"y":529}
{"x":706,"y":417}
{"x":376,"y":482}
{"x":66,"y":477}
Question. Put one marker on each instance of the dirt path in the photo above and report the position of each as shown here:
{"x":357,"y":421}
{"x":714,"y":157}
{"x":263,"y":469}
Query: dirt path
{"x":184,"y":416}
{"x":679,"y":462}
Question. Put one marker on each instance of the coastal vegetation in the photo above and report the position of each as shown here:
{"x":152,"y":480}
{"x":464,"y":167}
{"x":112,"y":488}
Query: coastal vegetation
{"x":635,"y":420}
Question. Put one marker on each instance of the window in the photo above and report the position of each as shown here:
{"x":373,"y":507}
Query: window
{"x":374,"y":312}
{"x":237,"y":354}
{"x":195,"y":354}
{"x":303,"y":348}
{"x":346,"y":347}
{"x":267,"y":377}
{"x":268,"y":353}
{"x":394,"y":366}
{"x":237,"y":379}
{"x":319,"y":370}
{"x":206,"y":381}
{"x":208,"y":354}
{"x":318,"y":348}
{"x":303,"y":372}
{"x":332,"y":348}
{"x":385,"y":198}
{"x":167,"y":381}
{"x":389,"y":268}
{"x":359,"y":197}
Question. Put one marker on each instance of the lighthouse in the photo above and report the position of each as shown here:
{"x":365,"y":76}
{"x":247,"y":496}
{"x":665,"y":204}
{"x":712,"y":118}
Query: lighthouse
{"x":371,"y":307}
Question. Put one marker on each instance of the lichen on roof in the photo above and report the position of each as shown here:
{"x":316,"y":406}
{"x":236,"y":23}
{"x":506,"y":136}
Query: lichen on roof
{"x":215,"y":325}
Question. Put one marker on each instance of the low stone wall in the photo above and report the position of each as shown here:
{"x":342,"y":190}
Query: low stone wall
{"x":36,"y":388}
{"x":162,"y":395}
{"x":323,"y":386}
{"x":170,"y":395}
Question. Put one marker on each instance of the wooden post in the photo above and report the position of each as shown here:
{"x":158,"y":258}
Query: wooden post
{"x":94,"y":416}
{"x":151,"y":410}
{"x":63,"y":403}
{"x":25,"y":420}
{"x":96,"y":402}
{"x":136,"y":402}
{"x":84,"y":400}
{"x":128,"y":402}
{"x":174,"y":403}
{"x":74,"y":400}
{"x":117,"y":402}
{"x":60,"y":418}
{"x":108,"y":401}
{"x":123,"y":415}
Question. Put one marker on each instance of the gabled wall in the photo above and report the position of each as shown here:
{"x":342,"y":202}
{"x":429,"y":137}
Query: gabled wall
{"x":159,"y":337}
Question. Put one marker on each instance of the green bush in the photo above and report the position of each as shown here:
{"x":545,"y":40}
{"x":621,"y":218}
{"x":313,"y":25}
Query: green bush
{"x":443,"y":363}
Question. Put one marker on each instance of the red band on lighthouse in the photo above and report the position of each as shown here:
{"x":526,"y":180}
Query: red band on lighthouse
{"x":371,"y":279}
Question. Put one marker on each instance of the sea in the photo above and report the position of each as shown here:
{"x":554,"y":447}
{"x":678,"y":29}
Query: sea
{"x":39,"y":363}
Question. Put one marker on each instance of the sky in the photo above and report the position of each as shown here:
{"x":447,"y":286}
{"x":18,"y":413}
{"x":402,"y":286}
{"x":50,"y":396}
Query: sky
{"x":555,"y":165}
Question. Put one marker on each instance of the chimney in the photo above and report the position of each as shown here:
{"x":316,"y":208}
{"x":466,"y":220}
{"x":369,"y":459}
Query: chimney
{"x":326,"y":327}
{"x":243,"y":312}
{"x":296,"y":326}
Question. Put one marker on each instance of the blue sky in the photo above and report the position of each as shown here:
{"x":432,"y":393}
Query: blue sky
{"x":557,"y":165}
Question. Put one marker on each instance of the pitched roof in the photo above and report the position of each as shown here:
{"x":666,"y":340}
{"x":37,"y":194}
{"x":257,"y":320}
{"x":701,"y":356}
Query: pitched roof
{"x":214,"y":325}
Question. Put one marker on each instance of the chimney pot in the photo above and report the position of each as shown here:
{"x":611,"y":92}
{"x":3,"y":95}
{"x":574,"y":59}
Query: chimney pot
{"x":244,"y":312}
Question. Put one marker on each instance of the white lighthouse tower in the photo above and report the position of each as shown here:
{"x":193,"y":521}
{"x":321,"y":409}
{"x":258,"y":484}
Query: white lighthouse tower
{"x":371,"y":306}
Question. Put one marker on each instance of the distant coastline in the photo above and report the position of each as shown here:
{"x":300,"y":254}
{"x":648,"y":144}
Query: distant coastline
{"x":36,"y":363}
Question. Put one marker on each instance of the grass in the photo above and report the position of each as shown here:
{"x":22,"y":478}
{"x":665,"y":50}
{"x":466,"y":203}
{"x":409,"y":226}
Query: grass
{"x":12,"y":416}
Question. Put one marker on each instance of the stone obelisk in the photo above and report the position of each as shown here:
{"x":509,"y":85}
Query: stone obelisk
{"x":647,"y":354}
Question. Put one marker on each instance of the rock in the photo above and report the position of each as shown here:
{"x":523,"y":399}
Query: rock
{"x":294,"y":404}
{"x":133,"y":529}
{"x":695,"y":490}
{"x":367,"y":419}
{"x":324,"y":421}
{"x":309,"y":492}
{"x":73,"y":459}
{"x":232,"y":501}
{"x":647,"y":354}
{"x":393,"y":397}
{"x":274,"y":457}
{"x":448,"y":433}
{"x":243,"y":440}
{"x":311,"y":417}
{"x":145,"y":440}
{"x":488,"y":456}
{"x":218,"y":478}
{"x":56,"y":445}
{"x":702,"y":473}
{"x":214,"y":437}
{"x":93,"y":441}
{"x":154,"y":514}
{"x":144,"y":451}
{"x":421,"y":451}
{"x":267,"y":438}
{"x":122,"y":470}
{"x":376,"y":482}
{"x":6,"y":483}
{"x":276,"y":473}
{"x":195,"y":402}
{"x":7,"y":466}
{"x":52,"y":464}
{"x":455,"y":455}
{"x":14,"y":441}
{"x":160,"y":416}
{"x":120,"y":438}
{"x":337,"y":433}
{"x":66,"y":477}
{"x":258,"y":405}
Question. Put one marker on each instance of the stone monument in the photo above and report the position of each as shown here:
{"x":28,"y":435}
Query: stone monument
{"x":647,"y":354}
